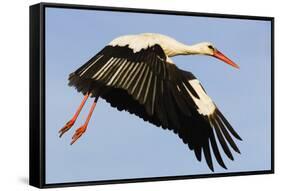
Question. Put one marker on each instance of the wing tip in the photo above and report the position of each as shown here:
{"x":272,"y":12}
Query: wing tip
{"x":227,"y":124}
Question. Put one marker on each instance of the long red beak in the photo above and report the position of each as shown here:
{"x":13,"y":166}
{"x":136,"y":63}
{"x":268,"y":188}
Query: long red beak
{"x":221,"y":56}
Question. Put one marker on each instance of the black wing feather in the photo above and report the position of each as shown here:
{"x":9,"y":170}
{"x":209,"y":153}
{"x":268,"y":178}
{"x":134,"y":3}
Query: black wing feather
{"x":216,"y":150}
{"x":229,"y":127}
{"x":227,"y":136}
{"x":207,"y":154}
{"x":221,"y":139}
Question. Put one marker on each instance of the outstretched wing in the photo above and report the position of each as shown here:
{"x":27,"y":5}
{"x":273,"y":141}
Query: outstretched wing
{"x":206,"y":124}
{"x":145,"y":84}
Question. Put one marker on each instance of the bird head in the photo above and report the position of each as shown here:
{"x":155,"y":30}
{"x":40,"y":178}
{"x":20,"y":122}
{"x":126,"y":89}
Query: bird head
{"x":207,"y":48}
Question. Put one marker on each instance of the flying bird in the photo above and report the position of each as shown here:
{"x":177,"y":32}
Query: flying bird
{"x":135,"y":73}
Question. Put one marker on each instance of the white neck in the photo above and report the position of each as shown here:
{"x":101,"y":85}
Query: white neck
{"x":175,"y":48}
{"x":183,"y":49}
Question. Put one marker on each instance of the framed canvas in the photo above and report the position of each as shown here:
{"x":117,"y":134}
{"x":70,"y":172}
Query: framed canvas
{"x":123,"y":95}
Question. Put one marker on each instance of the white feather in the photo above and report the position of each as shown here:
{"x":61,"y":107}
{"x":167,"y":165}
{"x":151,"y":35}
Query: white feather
{"x":91,"y":65}
{"x":142,"y":41}
{"x":205,"y":104}
{"x":110,"y":61}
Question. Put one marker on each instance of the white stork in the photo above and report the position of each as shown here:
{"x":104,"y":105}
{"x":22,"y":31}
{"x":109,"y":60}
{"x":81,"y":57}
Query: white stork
{"x":135,"y":73}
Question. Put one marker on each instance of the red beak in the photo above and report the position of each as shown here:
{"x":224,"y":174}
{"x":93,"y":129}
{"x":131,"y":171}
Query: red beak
{"x":221,"y":56}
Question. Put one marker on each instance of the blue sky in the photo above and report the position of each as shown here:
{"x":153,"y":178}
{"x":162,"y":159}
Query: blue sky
{"x":118,"y":145}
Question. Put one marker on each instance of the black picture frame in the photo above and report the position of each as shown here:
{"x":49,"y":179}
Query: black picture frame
{"x":37,"y":94}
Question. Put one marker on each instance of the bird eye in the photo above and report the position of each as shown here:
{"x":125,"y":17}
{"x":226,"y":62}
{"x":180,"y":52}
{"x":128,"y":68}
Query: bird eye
{"x":211,"y":47}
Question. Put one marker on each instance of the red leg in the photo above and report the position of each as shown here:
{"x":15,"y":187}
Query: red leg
{"x":79,"y":132}
{"x":71,"y":122}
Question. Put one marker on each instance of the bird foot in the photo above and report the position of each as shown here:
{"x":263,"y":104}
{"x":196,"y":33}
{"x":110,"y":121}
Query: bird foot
{"x":78,"y":133}
{"x":67,"y":126}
